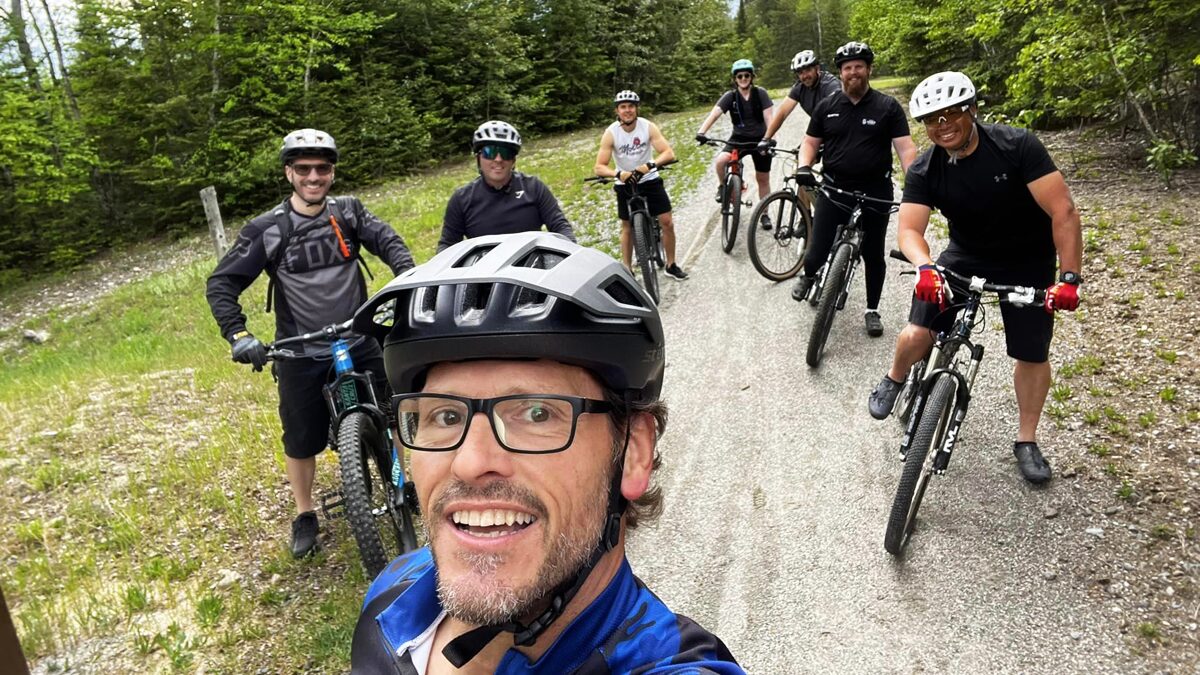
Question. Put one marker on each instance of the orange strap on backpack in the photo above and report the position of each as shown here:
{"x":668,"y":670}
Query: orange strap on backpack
{"x":341,"y":242}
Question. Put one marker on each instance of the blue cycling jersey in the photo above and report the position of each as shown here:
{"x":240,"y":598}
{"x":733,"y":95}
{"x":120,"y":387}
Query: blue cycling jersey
{"x":626,"y":629}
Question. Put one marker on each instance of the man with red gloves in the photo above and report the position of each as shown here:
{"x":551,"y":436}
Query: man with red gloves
{"x":1010,"y":212}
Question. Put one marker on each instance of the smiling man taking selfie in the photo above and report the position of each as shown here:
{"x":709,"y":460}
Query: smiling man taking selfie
{"x":529,"y":370}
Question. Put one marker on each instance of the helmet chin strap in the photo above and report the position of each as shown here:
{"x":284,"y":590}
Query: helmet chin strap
{"x":467,"y":646}
{"x":956,"y":153}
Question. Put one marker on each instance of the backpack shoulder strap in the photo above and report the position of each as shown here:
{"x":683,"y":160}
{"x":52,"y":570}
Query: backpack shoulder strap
{"x":336,"y":207}
{"x":283,"y":224}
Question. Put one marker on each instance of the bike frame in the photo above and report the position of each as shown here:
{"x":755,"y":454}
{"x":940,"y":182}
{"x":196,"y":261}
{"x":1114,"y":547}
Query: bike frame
{"x":955,"y":340}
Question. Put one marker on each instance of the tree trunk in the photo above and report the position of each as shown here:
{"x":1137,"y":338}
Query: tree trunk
{"x":17,"y":22}
{"x":216,"y":73}
{"x":1112,"y":56}
{"x":62,"y":64}
{"x":37,"y":29}
{"x":820,"y":37}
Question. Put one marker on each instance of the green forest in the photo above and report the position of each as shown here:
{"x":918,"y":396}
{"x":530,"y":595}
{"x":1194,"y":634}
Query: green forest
{"x":114,"y":114}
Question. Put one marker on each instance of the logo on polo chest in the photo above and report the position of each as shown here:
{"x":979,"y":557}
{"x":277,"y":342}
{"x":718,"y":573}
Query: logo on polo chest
{"x":868,"y":122}
{"x":1003,"y":176}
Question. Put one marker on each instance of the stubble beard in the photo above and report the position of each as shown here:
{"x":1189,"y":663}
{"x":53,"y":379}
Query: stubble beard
{"x":480,"y":597}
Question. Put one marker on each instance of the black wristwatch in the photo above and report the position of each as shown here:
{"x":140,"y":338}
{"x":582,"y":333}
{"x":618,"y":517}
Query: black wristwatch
{"x":1070,"y":278}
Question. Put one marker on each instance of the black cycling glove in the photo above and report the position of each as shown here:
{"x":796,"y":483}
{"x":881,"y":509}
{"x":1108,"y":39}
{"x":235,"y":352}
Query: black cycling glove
{"x":766,"y":144}
{"x":247,"y":349}
{"x":701,"y":139}
{"x":805,"y":177}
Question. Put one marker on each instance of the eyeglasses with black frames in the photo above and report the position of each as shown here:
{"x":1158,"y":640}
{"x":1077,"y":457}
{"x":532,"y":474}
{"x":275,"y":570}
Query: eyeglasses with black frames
{"x":744,"y":76}
{"x":502,"y":151}
{"x":523,"y":423}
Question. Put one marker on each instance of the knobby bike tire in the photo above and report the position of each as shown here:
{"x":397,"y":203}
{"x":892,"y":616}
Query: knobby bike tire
{"x":777,"y":257}
{"x":645,"y":255}
{"x":927,"y":439}
{"x":835,"y":278}
{"x":731,"y":211}
{"x":359,"y":444}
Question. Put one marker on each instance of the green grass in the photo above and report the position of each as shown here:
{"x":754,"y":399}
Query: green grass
{"x":139,"y":461}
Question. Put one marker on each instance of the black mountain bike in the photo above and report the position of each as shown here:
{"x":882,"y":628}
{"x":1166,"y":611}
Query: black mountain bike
{"x":378,"y":500}
{"x":832,"y":285}
{"x":732,"y":184}
{"x":648,"y":253}
{"x":777,"y":248}
{"x":940,"y":394}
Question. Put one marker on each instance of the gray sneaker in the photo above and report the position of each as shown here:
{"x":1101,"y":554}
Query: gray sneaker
{"x":883,"y":399}
{"x":874,"y":323}
{"x":1033,"y":466}
{"x":803,"y":284}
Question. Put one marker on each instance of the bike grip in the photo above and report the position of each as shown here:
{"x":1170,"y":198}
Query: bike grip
{"x":899,"y":255}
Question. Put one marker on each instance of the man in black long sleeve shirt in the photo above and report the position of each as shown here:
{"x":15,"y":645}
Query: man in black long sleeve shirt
{"x":500,"y":200}
{"x":309,"y":246}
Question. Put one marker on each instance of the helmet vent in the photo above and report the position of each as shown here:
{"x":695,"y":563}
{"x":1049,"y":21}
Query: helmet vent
{"x":529,"y":301}
{"x":540,"y":259}
{"x":474,"y":257}
{"x":425,"y":303}
{"x":618,"y":289}
{"x":475,"y":299}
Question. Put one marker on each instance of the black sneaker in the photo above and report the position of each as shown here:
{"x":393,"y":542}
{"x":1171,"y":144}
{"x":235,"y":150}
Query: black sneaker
{"x":720,"y":193}
{"x":765,"y":221}
{"x":304,"y":534}
{"x":675,"y":273}
{"x":874,"y":323}
{"x":803,"y":284}
{"x":1033,"y":466}
{"x":883,"y":399}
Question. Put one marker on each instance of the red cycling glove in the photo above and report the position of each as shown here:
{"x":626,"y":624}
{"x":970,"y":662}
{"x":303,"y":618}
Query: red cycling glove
{"x":931,"y":285}
{"x":1062,"y":296}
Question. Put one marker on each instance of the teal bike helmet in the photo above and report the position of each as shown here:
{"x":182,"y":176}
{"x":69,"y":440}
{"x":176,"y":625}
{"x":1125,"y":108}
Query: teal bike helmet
{"x":740,"y":65}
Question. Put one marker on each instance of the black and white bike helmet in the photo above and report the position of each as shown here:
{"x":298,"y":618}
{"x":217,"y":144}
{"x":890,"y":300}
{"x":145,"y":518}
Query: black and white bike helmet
{"x":626,"y":96}
{"x":940,"y":91}
{"x":531,"y":295}
{"x":851,"y":51}
{"x":804,"y":59}
{"x":308,"y":142}
{"x":495,"y":132}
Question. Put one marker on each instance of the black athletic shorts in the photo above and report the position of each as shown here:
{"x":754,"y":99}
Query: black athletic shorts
{"x":762,"y":162}
{"x":1027,"y":330}
{"x":302,"y":407}
{"x":656,"y":198}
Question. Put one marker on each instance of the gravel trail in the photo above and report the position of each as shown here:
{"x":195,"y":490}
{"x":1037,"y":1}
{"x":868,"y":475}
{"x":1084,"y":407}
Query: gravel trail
{"x":778,"y":485}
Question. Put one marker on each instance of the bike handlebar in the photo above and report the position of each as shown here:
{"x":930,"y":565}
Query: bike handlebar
{"x":604,"y":180}
{"x":1016,"y":295}
{"x":740,"y":145}
{"x":330,"y":332}
{"x":859,"y":196}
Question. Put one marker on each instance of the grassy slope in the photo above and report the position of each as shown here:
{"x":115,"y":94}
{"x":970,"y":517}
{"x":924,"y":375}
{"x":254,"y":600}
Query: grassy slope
{"x":144,"y":510}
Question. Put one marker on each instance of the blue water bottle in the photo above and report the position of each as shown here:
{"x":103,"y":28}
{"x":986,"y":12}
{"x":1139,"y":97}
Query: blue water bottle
{"x":342,"y":363}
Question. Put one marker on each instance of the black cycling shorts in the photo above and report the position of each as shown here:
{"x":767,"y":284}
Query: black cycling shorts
{"x":302,"y":408}
{"x":762,"y":161}
{"x":1027,"y":330}
{"x":656,"y":198}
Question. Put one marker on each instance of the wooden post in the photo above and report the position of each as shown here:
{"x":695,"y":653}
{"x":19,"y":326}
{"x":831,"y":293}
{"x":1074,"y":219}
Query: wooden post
{"x":211,"y":209}
{"x":11,"y":658}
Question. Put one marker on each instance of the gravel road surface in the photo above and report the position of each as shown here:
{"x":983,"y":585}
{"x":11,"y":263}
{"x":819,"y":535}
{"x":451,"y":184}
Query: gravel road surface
{"x":778,"y":485}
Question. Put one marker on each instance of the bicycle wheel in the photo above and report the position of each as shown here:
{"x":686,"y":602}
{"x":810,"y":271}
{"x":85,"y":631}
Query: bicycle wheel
{"x":644,"y":254}
{"x":731,"y":211}
{"x":823,"y":321}
{"x":361,"y":447}
{"x":918,"y":464}
{"x":778,"y":253}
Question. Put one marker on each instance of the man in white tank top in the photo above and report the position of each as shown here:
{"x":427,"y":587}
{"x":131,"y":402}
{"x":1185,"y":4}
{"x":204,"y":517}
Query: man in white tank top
{"x":633,"y":141}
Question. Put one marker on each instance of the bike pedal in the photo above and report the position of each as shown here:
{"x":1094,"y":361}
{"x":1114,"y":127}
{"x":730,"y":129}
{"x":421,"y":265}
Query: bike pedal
{"x":333,"y":505}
